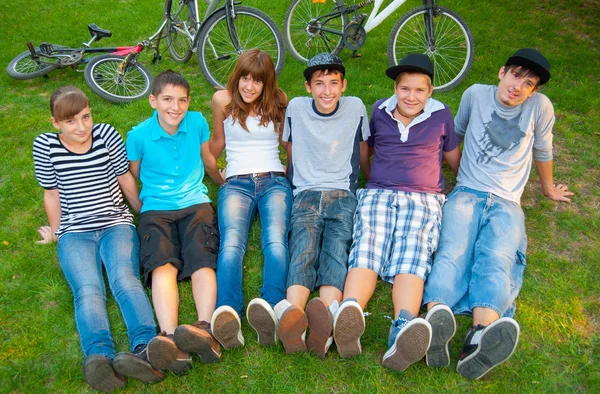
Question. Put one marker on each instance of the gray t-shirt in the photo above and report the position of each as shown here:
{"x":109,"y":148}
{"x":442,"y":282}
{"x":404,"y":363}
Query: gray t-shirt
{"x":325,"y":147}
{"x":500,"y":141}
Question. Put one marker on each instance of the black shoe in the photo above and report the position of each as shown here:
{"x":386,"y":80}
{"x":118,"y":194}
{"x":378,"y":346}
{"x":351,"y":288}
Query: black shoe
{"x":98,"y":372}
{"x":136,"y":365}
{"x":487,"y":347}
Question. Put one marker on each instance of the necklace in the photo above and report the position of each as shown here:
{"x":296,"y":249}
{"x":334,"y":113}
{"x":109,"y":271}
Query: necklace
{"x":407,"y":116}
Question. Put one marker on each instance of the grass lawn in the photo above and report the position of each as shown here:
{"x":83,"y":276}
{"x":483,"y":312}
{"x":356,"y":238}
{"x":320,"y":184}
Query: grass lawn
{"x":559,"y":306}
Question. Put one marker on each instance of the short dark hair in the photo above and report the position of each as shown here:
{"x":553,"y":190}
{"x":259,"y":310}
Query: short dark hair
{"x":523,"y":72}
{"x":325,"y":72}
{"x":169,"y":77}
{"x":67,"y":101}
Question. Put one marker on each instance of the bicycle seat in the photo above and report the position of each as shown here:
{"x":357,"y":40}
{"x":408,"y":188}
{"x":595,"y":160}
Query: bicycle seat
{"x":98,"y":32}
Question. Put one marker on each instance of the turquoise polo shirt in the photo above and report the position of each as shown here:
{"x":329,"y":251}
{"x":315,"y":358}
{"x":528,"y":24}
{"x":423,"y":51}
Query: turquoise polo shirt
{"x":171,"y":168}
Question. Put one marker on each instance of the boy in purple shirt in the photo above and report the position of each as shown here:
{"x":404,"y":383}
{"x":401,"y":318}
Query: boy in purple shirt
{"x":399,"y":213}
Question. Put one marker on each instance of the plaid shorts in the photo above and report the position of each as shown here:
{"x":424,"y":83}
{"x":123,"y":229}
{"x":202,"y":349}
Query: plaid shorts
{"x":396,"y":232}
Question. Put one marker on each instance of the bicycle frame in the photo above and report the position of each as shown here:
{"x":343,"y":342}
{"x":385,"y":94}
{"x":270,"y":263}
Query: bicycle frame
{"x":375,"y":18}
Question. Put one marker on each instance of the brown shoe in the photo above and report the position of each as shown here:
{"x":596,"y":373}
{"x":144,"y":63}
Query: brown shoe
{"x":136,"y":365}
{"x":162,"y":351}
{"x":197,"y":338}
{"x":98,"y":372}
{"x":320,"y":325}
{"x":292,"y":329}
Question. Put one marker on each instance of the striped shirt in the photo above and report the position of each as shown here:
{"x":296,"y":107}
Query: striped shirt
{"x":90,"y":197}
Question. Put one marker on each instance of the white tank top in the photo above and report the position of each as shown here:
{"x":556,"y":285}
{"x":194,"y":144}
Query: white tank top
{"x":256,"y":150}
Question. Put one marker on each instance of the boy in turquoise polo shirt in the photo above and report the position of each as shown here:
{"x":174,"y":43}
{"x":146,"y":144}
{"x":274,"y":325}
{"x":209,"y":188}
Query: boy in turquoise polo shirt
{"x":178,"y":228}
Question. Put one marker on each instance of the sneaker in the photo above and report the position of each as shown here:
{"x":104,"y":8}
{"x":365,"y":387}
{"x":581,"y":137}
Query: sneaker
{"x":162,"y":354}
{"x":98,"y":372}
{"x":227,"y":327}
{"x":197,"y":338}
{"x":348,"y":327}
{"x":320,"y":325}
{"x":292,"y":327}
{"x":136,"y":365}
{"x":487,"y":347}
{"x":262,"y":318}
{"x":408,"y":341}
{"x":443,"y":328}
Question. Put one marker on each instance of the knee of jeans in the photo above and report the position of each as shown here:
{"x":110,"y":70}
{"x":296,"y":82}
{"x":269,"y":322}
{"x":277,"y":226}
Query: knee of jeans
{"x":89,"y":291}
{"x":517,"y":272}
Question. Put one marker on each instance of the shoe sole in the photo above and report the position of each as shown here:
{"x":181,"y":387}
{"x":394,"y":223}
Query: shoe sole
{"x":194,"y":340}
{"x":225,"y":328}
{"x":348,"y":328}
{"x":180,"y":366}
{"x":443,"y":328}
{"x":498,"y":342}
{"x":100,"y":375}
{"x":292,"y":325}
{"x":162,"y":351}
{"x":409,"y":347}
{"x":263,"y":323}
{"x":127,"y":364}
{"x":320,"y":325}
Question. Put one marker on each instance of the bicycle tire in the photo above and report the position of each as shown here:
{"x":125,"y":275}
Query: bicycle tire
{"x":255,"y":29}
{"x":452,"y":56}
{"x":180,"y":45}
{"x":302,"y":37}
{"x":24,"y":67}
{"x":101,"y":76}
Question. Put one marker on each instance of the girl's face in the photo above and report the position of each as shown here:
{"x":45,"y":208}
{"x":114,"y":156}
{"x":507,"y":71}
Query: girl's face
{"x":76,"y":131}
{"x":250,"y":89}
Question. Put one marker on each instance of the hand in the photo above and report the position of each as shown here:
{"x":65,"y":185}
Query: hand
{"x":47,"y":235}
{"x":559,"y":193}
{"x":223,"y":173}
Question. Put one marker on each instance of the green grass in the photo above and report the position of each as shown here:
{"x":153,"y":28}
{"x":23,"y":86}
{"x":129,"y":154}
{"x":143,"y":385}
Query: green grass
{"x":559,"y":306}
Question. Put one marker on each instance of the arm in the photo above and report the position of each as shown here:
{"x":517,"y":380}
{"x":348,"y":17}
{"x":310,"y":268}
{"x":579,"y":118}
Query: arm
{"x":217,"y":140}
{"x":366,"y":152}
{"x":288,"y":148}
{"x":461,"y":121}
{"x":550,"y":190}
{"x":54,"y":212}
{"x":453,"y":159}
{"x":134,"y":168}
{"x":130,"y":190}
{"x":210,"y":163}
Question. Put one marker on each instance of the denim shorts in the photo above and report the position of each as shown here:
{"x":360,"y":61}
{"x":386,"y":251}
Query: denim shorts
{"x":480,"y":260}
{"x":320,"y":238}
{"x":187,"y":238}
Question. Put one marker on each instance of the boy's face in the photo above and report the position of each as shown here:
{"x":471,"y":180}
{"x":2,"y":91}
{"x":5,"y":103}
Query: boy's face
{"x":514,"y":90}
{"x":77,"y":130}
{"x":412,"y":92}
{"x":326,"y":90}
{"x":250,"y":89}
{"x":172,"y":104}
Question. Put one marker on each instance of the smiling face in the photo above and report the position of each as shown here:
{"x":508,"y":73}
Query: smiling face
{"x":515,"y":86}
{"x":171,"y":103}
{"x":76,"y":131}
{"x":326,"y":89}
{"x":250,"y":88}
{"x":412,"y":91}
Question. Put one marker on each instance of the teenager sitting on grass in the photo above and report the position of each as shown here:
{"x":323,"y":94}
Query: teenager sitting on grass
{"x":84,"y":171}
{"x":479,"y":266}
{"x":399,"y":213}
{"x":248,"y":121}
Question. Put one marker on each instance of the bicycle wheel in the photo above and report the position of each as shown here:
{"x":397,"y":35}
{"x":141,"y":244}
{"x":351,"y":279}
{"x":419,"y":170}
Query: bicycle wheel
{"x":303,"y":28}
{"x":452,"y":53}
{"x":24,"y":67}
{"x":180,"y":45}
{"x":217,"y":55}
{"x":101,"y":75}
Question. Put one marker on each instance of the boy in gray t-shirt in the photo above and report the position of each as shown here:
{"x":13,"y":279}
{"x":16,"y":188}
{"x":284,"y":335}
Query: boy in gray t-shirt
{"x":325,"y":136}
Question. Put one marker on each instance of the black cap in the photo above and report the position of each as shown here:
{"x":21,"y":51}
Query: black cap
{"x":532,"y":60}
{"x":324,"y":61}
{"x":413,"y":62}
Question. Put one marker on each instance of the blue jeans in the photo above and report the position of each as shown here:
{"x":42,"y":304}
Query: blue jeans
{"x":239,"y":199}
{"x":320,"y":238}
{"x":481,"y":255}
{"x":81,"y":256}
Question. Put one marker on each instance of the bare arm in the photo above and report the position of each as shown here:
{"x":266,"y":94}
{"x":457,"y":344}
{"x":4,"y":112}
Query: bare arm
{"x":220,"y":99}
{"x":210,"y":164}
{"x":130,"y":190}
{"x":554,"y":192}
{"x":366,"y":152}
{"x":288,"y":149}
{"x":134,"y":168}
{"x":54,"y":212}
{"x":453,"y":159}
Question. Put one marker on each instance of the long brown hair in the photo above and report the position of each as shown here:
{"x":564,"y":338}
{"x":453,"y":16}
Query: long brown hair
{"x":272,"y":102}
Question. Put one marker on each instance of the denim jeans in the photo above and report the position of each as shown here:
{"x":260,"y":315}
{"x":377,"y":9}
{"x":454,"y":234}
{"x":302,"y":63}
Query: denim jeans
{"x":320,"y":238}
{"x":481,"y":255}
{"x":81,"y":256}
{"x":239,"y":200}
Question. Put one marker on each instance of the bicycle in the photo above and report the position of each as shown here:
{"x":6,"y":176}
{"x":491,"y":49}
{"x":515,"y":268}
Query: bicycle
{"x":314,"y":26}
{"x":221,"y":37}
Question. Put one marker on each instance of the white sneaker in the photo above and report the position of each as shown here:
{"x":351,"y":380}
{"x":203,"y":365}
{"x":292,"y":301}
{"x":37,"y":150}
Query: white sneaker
{"x":262,"y":318}
{"x":227,"y":327}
